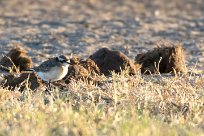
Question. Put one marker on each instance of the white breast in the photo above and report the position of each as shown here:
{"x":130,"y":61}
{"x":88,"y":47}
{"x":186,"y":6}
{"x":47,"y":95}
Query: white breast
{"x":54,"y":74}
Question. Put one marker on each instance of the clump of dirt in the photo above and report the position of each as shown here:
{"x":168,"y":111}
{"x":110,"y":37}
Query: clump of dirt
{"x":165,"y":58}
{"x":17,"y":60}
{"x":22,"y":81}
{"x":108,"y":60}
{"x":90,"y":65}
{"x":81,"y":69}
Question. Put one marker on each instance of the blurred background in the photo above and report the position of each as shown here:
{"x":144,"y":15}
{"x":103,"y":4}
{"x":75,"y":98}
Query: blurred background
{"x":51,"y":27}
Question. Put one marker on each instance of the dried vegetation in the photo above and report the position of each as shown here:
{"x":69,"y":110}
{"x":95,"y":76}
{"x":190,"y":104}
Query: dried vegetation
{"x":122,"y":100}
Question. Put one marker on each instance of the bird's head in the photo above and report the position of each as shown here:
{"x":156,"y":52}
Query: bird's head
{"x":63,"y":59}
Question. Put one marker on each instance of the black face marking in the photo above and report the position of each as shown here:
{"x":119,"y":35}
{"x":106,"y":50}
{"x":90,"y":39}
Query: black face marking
{"x":62,"y":59}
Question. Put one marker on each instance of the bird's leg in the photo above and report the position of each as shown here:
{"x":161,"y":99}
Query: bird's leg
{"x":49,"y":85}
{"x":48,"y":89}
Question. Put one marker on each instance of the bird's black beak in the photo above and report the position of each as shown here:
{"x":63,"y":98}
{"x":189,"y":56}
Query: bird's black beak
{"x":68,"y":62}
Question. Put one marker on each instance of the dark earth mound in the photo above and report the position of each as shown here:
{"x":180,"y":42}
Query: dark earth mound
{"x":29,"y":80}
{"x":17,"y":59}
{"x":108,"y":60}
{"x":163,"y":59}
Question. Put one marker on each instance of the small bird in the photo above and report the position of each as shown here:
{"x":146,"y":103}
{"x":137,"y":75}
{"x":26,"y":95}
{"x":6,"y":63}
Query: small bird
{"x":53,"y":69}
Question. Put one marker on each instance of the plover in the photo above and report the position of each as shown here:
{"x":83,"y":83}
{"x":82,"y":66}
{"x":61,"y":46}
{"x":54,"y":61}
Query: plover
{"x":53,"y":69}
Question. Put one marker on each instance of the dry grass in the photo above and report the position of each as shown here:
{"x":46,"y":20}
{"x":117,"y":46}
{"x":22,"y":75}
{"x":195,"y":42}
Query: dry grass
{"x":120,"y":105}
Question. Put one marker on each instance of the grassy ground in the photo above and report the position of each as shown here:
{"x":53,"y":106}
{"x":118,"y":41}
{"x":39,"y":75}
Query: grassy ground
{"x":121,"y":105}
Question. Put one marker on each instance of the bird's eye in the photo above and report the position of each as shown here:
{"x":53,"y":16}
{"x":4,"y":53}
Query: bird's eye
{"x":61,"y":61}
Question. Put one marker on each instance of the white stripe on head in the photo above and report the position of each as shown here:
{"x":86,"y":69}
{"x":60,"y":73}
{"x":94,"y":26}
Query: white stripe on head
{"x":62,"y":58}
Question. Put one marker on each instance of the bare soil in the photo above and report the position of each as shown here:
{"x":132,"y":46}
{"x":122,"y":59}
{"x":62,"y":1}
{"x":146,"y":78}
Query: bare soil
{"x":49,"y":28}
